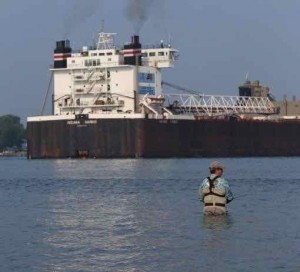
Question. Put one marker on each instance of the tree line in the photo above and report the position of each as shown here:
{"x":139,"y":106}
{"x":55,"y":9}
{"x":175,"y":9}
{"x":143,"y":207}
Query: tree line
{"x":12,"y":132}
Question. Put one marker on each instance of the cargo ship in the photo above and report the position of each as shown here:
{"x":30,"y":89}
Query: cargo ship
{"x":111,"y":102}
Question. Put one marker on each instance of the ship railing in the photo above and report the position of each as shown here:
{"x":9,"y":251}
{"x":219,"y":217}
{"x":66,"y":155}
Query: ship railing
{"x":89,"y":105}
{"x":144,"y":102}
{"x":218,"y":104}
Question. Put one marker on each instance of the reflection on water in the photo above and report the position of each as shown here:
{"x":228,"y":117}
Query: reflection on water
{"x":97,"y":225}
{"x":145,"y":215}
{"x":217,"y":223}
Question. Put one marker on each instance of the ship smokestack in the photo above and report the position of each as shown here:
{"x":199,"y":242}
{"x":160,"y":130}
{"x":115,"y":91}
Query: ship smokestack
{"x":62,"y":52}
{"x":132,"y":50}
{"x":136,"y":39}
{"x":133,"y":56}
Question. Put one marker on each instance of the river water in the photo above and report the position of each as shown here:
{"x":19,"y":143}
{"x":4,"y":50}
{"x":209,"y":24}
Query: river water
{"x":145,"y":215}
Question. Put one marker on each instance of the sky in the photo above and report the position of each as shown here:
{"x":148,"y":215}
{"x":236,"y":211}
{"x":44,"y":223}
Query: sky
{"x":219,"y":41}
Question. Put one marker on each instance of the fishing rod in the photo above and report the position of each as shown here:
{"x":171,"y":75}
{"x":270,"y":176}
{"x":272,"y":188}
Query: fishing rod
{"x":239,"y":196}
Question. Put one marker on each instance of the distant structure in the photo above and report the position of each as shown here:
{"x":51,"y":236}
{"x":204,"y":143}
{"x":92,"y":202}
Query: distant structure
{"x":285,"y":107}
{"x":289,"y":107}
{"x":254,"y":89}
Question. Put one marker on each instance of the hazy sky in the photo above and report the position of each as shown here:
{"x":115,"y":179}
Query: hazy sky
{"x":220,"y":41}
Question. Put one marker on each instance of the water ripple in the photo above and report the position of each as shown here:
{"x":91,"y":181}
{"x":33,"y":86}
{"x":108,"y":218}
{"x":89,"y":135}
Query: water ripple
{"x":145,"y":215}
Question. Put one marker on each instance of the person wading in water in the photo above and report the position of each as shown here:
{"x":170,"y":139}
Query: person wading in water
{"x":215,"y":191}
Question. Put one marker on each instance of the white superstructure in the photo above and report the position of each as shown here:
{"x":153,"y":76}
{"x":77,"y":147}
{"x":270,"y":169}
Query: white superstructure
{"x":105,"y":79}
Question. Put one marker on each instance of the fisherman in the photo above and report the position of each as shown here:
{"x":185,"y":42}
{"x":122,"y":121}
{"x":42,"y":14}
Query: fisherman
{"x":215,"y":191}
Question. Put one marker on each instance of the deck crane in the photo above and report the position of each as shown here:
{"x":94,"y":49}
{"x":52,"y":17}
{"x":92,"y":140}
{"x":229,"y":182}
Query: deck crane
{"x":179,"y":88}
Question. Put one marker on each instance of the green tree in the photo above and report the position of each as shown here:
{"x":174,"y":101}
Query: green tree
{"x":12,"y":131}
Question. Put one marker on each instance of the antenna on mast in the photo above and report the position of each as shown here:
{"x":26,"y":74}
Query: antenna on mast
{"x":102,"y":25}
{"x":105,"y":40}
{"x":169,"y":41}
{"x":247,"y":76}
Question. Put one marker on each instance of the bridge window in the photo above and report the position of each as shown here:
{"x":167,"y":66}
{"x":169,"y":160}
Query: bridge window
{"x":152,"y":54}
{"x":90,"y":62}
{"x":161,"y":53}
{"x":146,"y":78}
{"x":146,"y":90}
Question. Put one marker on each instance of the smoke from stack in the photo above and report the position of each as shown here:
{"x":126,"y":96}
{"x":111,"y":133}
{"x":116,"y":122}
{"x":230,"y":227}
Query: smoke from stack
{"x":78,"y":12}
{"x":138,"y":12}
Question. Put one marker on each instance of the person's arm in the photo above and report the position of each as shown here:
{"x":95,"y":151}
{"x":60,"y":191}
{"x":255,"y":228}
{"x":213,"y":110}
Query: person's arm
{"x":228,"y":193}
{"x":201,"y":190}
{"x":229,"y":196}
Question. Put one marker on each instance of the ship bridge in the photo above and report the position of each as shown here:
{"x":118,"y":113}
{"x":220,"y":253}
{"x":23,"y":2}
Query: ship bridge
{"x":159,"y":56}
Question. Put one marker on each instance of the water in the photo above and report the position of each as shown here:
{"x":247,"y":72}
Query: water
{"x":145,"y":215}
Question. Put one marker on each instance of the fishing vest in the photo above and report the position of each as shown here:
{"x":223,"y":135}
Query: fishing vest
{"x":214,"y":196}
